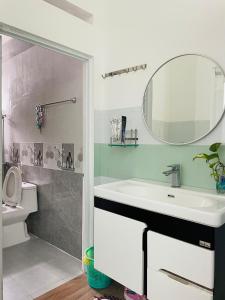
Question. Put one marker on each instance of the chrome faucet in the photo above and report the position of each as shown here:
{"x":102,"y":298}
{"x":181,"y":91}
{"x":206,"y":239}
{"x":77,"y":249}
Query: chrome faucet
{"x":175,"y":172}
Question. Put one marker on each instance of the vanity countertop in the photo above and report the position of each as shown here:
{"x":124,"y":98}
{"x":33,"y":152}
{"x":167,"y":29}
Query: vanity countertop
{"x":192,"y":204}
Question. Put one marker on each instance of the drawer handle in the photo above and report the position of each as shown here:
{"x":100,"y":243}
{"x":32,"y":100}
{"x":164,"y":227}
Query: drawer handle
{"x":175,"y":277}
{"x":184,"y":281}
{"x":178,"y":279}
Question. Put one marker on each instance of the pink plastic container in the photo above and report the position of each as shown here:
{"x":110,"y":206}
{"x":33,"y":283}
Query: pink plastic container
{"x":130,"y":295}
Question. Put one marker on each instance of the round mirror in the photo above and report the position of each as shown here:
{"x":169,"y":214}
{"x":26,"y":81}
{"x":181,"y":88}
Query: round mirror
{"x":184,"y":99}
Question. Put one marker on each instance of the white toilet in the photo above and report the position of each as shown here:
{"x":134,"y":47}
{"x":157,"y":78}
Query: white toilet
{"x":19,"y":200}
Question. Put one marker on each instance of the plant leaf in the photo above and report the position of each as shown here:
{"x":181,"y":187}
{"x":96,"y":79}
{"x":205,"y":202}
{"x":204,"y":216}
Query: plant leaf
{"x":201,"y":155}
{"x":205,"y":156}
{"x":215,"y":175}
{"x":212,"y":156}
{"x":214,"y":147}
{"x":213,"y":165}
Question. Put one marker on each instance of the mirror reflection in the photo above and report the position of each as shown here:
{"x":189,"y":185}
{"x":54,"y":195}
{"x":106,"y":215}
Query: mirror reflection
{"x":184,"y":99}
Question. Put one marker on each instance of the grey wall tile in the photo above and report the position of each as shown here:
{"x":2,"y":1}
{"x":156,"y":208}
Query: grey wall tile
{"x":59,"y":216}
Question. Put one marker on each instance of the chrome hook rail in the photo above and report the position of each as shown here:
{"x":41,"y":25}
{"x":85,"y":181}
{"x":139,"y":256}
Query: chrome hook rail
{"x":127,"y":70}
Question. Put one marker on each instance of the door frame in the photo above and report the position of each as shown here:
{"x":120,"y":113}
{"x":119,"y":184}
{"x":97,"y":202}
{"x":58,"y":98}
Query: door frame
{"x":1,"y":170}
{"x":88,"y":117}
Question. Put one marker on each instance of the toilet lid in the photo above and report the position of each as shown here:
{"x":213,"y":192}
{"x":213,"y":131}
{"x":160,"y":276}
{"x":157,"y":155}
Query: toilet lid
{"x":12,"y":187}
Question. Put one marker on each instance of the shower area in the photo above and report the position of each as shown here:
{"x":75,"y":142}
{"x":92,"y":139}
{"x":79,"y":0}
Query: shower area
{"x":42,"y":118}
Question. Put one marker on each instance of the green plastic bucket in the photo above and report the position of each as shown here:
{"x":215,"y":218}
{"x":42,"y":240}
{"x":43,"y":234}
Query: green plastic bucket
{"x":96,"y":279}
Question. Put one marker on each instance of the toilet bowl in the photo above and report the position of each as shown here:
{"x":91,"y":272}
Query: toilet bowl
{"x":19,"y":200}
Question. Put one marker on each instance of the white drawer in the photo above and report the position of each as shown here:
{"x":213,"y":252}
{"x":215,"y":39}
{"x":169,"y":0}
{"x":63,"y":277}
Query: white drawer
{"x":164,"y":286}
{"x":186,"y":260}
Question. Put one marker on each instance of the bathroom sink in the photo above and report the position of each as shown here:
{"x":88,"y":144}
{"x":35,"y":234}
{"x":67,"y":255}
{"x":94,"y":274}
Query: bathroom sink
{"x":134,"y":188}
{"x":205,"y":207}
{"x":193,"y":201}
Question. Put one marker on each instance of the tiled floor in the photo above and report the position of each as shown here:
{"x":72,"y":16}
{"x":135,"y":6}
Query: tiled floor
{"x":35,"y":267}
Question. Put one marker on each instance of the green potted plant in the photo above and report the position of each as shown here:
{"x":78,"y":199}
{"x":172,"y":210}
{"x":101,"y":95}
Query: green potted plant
{"x":216,"y":166}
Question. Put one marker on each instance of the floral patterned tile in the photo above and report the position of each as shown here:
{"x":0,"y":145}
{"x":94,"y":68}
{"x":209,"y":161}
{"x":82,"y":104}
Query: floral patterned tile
{"x":27,"y":154}
{"x":78,"y":160}
{"x":52,"y":156}
{"x":58,"y":156}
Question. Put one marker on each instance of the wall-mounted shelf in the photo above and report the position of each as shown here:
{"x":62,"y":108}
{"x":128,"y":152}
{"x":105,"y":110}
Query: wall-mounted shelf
{"x":131,"y":139}
{"x":123,"y":145}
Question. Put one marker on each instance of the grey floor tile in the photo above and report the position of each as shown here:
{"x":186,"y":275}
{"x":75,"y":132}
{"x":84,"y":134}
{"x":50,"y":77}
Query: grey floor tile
{"x":13,"y":291}
{"x":35,"y":267}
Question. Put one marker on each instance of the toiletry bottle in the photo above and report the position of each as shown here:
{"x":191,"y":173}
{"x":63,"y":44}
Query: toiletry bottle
{"x":123,"y":130}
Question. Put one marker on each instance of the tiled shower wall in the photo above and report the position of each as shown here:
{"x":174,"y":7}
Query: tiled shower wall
{"x":59,"y":216}
{"x":33,"y":75}
{"x":36,"y":76}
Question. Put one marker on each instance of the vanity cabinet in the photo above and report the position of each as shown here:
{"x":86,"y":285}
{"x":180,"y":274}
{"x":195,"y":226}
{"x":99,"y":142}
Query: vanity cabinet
{"x":184,"y":270}
{"x":118,"y":248}
{"x":163,"y":257}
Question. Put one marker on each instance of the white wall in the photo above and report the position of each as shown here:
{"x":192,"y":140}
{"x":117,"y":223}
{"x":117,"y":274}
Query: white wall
{"x":152,"y":32}
{"x":42,"y":19}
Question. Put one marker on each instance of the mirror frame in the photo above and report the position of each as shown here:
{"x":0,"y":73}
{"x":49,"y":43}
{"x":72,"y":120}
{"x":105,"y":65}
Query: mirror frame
{"x":143,"y":102}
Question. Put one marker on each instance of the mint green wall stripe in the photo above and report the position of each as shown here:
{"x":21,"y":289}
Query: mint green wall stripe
{"x":148,"y":162}
{"x":97,"y":159}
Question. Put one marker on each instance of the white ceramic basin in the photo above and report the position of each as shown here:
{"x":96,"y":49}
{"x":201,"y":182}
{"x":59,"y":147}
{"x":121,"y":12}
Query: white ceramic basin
{"x":205,"y":207}
{"x":160,"y":194}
